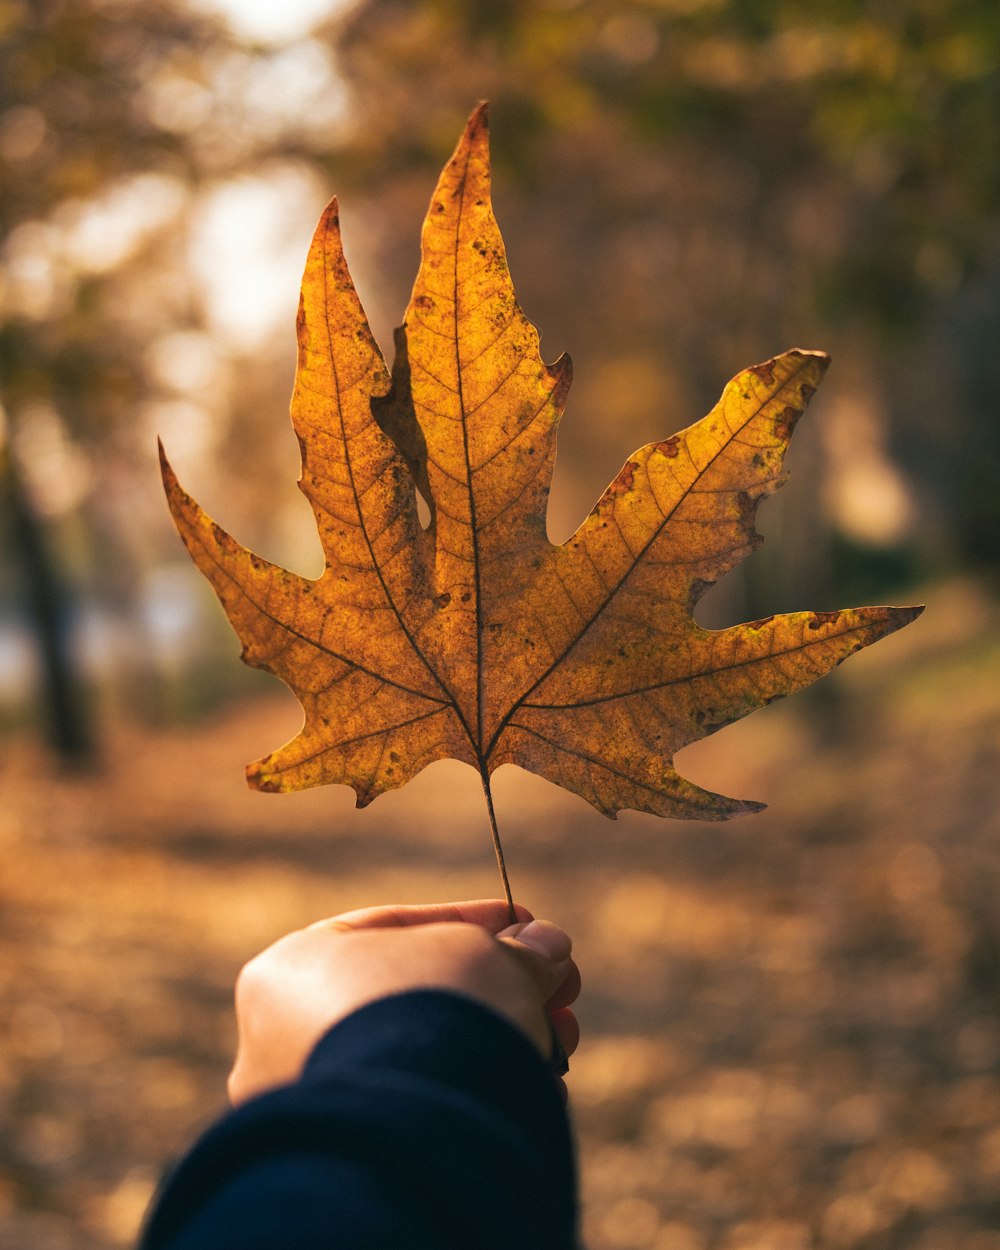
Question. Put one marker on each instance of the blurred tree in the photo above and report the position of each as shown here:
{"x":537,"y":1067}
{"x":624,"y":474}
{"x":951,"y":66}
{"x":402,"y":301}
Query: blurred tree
{"x":71,"y":128}
{"x":115,"y":117}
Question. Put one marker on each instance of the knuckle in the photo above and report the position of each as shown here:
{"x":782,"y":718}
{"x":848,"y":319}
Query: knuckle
{"x":247,"y":976}
{"x":478,"y":951}
{"x":252,"y":979}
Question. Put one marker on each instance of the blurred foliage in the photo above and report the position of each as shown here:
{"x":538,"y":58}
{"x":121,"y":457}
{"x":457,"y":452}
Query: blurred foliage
{"x":117,"y":122}
{"x":685,"y":186}
{"x":713,"y":181}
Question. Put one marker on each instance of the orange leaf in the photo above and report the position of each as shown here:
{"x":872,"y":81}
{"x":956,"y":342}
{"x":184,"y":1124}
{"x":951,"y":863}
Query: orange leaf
{"x":478,"y":638}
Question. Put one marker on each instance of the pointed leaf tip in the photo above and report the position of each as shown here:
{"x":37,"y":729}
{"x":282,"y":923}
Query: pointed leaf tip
{"x":904,"y":616}
{"x":166,"y":469}
{"x":331,"y":214}
{"x":479,"y":118}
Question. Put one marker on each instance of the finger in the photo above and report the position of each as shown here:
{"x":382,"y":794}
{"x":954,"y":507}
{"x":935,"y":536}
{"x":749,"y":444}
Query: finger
{"x":567,"y":1029}
{"x":491,"y":914}
{"x":544,"y":949}
{"x":542,"y":936}
{"x":568,"y":992}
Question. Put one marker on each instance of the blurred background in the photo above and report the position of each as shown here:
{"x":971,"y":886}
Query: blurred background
{"x":791,"y":1030}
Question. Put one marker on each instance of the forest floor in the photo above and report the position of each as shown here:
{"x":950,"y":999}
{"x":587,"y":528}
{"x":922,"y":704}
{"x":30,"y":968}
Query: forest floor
{"x":791,"y":1022}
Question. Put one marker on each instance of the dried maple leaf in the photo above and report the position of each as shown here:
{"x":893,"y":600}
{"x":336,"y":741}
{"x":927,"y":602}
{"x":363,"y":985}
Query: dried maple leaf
{"x":477,"y":638}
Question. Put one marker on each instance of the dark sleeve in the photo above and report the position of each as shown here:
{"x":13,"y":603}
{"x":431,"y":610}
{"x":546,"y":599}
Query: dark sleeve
{"x":423,"y":1121}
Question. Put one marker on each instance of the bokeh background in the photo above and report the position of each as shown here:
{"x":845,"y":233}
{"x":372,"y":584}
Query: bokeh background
{"x":791,"y":1029}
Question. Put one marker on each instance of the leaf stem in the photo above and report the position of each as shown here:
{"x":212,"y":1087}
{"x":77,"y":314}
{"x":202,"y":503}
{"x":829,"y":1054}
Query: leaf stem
{"x":485,"y":776}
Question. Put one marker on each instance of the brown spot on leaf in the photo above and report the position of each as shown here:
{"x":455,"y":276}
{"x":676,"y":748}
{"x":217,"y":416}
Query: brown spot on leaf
{"x":785,"y":423}
{"x":764,"y":371}
{"x":669,"y":446}
{"x":442,"y":601}
{"x":625,"y":478}
{"x":819,"y":619}
{"x":562,"y":375}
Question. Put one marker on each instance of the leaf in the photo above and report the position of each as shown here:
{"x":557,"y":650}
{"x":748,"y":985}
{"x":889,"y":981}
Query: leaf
{"x":478,"y":638}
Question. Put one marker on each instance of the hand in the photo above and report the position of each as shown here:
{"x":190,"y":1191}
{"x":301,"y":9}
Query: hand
{"x":293,"y":992}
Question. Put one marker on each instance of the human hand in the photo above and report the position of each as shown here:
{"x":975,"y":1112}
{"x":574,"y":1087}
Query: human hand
{"x":288,"y":996}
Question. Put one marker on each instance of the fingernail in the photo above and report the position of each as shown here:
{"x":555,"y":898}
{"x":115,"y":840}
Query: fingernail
{"x":546,"y":938}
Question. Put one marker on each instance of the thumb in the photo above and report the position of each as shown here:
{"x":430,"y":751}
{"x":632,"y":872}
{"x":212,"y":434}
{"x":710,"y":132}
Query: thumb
{"x":543,"y":949}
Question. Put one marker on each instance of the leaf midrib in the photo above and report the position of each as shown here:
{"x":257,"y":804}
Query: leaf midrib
{"x":473,"y":518}
{"x":802,"y":645}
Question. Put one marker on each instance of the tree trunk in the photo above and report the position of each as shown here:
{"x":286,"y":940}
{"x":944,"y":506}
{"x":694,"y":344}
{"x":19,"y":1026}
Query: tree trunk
{"x":47,"y":603}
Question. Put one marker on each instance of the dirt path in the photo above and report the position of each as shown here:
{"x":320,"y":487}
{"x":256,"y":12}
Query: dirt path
{"x":791,"y":1027}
